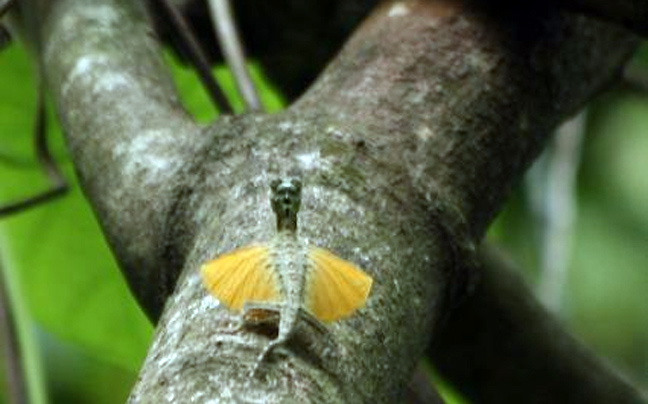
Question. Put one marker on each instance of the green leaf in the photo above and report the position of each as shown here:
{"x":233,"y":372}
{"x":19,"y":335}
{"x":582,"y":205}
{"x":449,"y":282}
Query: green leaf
{"x":29,"y":352}
{"x":70,"y":281}
{"x":197,"y":102}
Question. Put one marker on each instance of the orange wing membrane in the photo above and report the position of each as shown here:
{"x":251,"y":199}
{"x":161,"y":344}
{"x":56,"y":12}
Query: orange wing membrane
{"x":335,"y":288}
{"x":287,"y":273}
{"x":243,"y":275}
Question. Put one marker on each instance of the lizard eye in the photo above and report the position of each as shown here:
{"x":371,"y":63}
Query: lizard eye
{"x":297,"y":185}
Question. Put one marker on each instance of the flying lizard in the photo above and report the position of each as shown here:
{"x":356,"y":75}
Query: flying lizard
{"x":287,"y":274}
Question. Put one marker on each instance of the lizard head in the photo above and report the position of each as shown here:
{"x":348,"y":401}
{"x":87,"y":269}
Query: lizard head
{"x":285,"y":200}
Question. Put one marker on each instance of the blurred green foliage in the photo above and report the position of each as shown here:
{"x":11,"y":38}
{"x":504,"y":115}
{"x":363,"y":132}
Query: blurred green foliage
{"x":85,"y":318}
{"x":605,"y":296}
{"x":65,"y":273}
{"x":86,"y":322}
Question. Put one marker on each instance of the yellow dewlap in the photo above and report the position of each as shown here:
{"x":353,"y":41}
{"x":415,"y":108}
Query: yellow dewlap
{"x":334,"y":288}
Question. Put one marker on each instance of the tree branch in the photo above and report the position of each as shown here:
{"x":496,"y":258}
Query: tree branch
{"x":405,"y":134}
{"x":551,"y":185}
{"x":194,"y":52}
{"x":16,"y":387}
{"x":488,"y":96}
{"x":407,"y":146}
{"x":46,"y":162}
{"x":5,"y":5}
{"x":124,"y":126}
{"x":421,"y":390}
{"x":276,"y":34}
{"x":501,"y":336}
{"x":231,"y":46}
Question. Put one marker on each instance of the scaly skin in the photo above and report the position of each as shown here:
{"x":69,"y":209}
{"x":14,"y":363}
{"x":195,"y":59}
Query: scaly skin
{"x":290,"y":257}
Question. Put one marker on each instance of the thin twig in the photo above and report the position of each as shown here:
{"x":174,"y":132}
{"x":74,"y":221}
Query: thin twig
{"x":5,"y":36}
{"x":45,"y":160}
{"x":16,"y":387}
{"x":555,"y":208}
{"x":561,"y":210}
{"x":4,"y":6}
{"x":421,"y":390}
{"x":230,"y":43}
{"x":194,"y":52}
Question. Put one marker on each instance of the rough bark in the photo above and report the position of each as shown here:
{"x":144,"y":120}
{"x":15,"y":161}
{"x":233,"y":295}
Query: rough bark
{"x":280,"y":33}
{"x":407,"y":144}
{"x":125,"y":128}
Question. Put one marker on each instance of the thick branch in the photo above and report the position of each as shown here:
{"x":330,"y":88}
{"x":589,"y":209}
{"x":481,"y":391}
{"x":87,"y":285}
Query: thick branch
{"x":407,"y":146}
{"x":128,"y":135}
{"x":416,"y":131}
{"x":502,"y":336}
{"x":276,"y":33}
{"x":281,"y":34}
{"x":469,"y":102}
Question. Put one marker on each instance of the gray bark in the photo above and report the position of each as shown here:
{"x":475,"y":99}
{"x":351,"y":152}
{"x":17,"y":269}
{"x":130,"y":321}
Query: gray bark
{"x":407,"y":144}
{"x":280,"y":34}
{"x":125,"y":128}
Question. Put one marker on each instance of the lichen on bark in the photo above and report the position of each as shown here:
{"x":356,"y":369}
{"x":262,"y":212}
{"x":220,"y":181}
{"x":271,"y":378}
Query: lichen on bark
{"x":407,"y":146}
